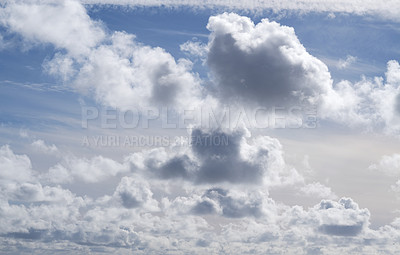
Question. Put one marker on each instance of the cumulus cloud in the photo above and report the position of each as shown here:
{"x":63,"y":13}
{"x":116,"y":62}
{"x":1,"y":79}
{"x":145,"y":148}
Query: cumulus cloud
{"x":135,"y":192}
{"x":41,"y":146}
{"x":194,"y":48}
{"x":264,"y":63}
{"x":126,"y":75}
{"x":91,"y":170}
{"x":218,"y":156}
{"x":58,"y":174}
{"x":342,"y":218}
{"x":389,"y":165}
{"x":344,"y":63}
{"x":369,"y":102}
{"x":14,"y":167}
{"x":234,"y":205}
{"x":65,"y":25}
{"x":316,"y":189}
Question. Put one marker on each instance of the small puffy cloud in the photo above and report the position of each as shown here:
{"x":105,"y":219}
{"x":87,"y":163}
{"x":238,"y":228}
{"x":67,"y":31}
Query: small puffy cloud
{"x":316,"y":189}
{"x":93,"y":170}
{"x":14,"y":167}
{"x":342,"y":218}
{"x":234,"y":205}
{"x":23,"y":133}
{"x":195,"y":48}
{"x":57,"y":174}
{"x":133,"y":192}
{"x":41,"y":146}
{"x":393,"y":73}
{"x":389,"y":165}
{"x":263,"y":63}
{"x":344,"y":63}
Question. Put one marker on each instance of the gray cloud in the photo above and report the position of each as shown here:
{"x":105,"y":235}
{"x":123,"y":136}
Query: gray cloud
{"x":217,"y":156}
{"x":263,"y":63}
{"x":341,"y":230}
{"x":204,"y":207}
{"x":221,"y":161}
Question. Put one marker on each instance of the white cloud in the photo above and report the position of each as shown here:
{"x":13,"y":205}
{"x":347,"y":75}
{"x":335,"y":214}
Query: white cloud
{"x":266,"y":65}
{"x":23,"y":133}
{"x":218,"y":156}
{"x":41,"y":146}
{"x":342,"y":218}
{"x":316,"y":189}
{"x":344,"y":63}
{"x":57,"y":174}
{"x":393,"y":73}
{"x":14,"y":167}
{"x":134,"y":192}
{"x":92,"y":170}
{"x":65,"y":24}
{"x":370,"y":104}
{"x":263,"y":64}
{"x":389,"y":165}
{"x":194,"y":48}
{"x":126,"y":75}
{"x":140,"y":215}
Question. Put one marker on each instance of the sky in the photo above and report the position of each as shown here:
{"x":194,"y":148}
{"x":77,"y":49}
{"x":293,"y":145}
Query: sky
{"x":187,"y":127}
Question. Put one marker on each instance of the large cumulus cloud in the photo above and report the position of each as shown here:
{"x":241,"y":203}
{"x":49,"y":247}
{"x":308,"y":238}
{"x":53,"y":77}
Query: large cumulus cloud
{"x":265,"y":63}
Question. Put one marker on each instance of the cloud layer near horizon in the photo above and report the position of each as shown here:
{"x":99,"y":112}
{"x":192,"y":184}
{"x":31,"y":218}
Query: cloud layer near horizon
{"x":142,"y":215}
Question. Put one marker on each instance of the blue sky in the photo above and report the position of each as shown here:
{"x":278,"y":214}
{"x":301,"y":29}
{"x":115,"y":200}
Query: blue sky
{"x":147,"y":189}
